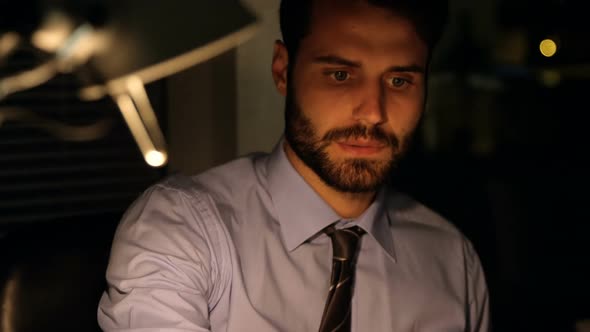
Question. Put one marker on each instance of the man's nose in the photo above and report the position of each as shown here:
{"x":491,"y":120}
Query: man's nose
{"x":371,"y":109}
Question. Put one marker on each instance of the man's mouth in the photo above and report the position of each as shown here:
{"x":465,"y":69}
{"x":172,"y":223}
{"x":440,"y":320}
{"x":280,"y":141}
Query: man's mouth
{"x":362,"y":147}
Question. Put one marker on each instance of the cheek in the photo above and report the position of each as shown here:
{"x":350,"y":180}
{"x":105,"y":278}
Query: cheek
{"x":404,"y":114}
{"x":325,"y":108}
{"x":315,"y":90}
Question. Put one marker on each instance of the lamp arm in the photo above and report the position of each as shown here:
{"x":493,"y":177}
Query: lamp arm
{"x":61,"y":130}
{"x":28,"y":79}
{"x":139,"y":115}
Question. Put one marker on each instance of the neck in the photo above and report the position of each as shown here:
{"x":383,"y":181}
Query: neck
{"x":346,"y":205}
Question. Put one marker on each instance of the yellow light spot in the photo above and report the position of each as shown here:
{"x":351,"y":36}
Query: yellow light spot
{"x":8,"y":42}
{"x":155,"y":158}
{"x":548,"y":47}
{"x":550,"y":78}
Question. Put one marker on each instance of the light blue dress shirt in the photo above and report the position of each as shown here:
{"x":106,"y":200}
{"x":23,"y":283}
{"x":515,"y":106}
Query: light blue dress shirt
{"x":241,"y":248}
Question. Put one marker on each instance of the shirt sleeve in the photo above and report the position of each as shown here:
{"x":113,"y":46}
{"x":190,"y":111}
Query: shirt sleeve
{"x":477,"y":292}
{"x":164,"y":270}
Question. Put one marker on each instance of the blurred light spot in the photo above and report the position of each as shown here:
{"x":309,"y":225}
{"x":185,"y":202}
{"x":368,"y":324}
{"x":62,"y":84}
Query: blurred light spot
{"x":8,"y":303}
{"x":92,"y":93}
{"x":8,"y":42}
{"x":548,"y":47}
{"x":53,"y":33}
{"x":153,"y":155}
{"x":156,"y":155}
{"x":61,"y":130}
{"x":512,"y":48}
{"x":50,"y":40}
{"x":550,"y":78}
{"x":133,"y":120}
{"x":77,"y":48}
{"x":27,"y":79}
{"x":155,"y":158}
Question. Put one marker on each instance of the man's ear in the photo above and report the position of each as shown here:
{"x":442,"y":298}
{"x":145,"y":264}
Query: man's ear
{"x":280,"y":63}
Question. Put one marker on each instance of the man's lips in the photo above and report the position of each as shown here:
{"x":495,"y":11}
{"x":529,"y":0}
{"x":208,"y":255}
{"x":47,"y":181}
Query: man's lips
{"x":362,"y":147}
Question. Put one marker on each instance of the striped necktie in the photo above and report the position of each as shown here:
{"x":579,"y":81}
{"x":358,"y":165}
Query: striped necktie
{"x":345,"y":245}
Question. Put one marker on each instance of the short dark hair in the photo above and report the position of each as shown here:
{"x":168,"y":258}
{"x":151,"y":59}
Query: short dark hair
{"x":428,"y":16}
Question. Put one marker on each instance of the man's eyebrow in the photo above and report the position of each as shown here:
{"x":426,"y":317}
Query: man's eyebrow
{"x":336,"y":60}
{"x":407,"y":69}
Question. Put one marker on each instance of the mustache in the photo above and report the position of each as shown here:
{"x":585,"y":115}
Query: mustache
{"x":364,"y":132}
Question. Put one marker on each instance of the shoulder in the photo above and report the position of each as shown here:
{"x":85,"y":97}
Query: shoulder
{"x":405,"y":211}
{"x":176,"y":222}
{"x":177,"y":189}
{"x":171,"y":240}
{"x":170,"y":216}
{"x":424,"y":237}
{"x":231,"y":183}
{"x":181,"y":201}
{"x":418,"y":229}
{"x":244,"y":170}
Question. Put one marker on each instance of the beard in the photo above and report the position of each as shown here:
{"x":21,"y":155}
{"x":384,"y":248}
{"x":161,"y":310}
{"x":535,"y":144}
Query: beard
{"x":352,"y":175}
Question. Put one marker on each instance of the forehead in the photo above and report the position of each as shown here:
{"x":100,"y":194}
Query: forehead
{"x":355,"y":25}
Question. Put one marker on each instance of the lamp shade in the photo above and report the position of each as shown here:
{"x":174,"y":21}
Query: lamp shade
{"x":117,"y":46}
{"x":142,"y":41}
{"x":152,"y":39}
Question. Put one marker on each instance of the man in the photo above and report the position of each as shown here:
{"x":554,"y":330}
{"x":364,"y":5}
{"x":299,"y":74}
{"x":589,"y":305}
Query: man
{"x":277,"y":242}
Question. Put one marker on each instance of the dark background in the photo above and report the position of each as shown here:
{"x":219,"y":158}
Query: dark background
{"x":500,"y":153}
{"x":508,"y":162}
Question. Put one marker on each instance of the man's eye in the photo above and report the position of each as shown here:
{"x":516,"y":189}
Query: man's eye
{"x":398,"y":82}
{"x":340,"y":75}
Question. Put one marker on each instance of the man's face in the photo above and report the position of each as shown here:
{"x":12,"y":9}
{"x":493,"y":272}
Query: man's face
{"x":355,"y":94}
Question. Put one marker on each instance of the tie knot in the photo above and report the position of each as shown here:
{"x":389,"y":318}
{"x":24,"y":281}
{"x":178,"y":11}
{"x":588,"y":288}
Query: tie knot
{"x":345,"y":241}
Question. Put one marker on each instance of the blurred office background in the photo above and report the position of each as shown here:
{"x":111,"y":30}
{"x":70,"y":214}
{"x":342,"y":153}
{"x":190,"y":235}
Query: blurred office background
{"x":500,"y":153}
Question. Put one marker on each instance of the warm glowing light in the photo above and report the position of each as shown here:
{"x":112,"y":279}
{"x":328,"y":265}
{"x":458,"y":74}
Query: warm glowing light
{"x":77,"y":48}
{"x":148,"y":137}
{"x":49,"y":40}
{"x":548,"y":47}
{"x":27,"y":79}
{"x":8,"y":42}
{"x":93,"y":93}
{"x":138,"y":130}
{"x":11,"y":290}
{"x":63,"y":131}
{"x":155,"y":158}
{"x":53,"y":33}
{"x":175,"y":64}
{"x":136,"y":90}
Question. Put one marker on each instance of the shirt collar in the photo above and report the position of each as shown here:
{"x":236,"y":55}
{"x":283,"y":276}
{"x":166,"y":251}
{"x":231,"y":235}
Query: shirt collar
{"x":302,"y":213}
{"x":375,"y":221}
